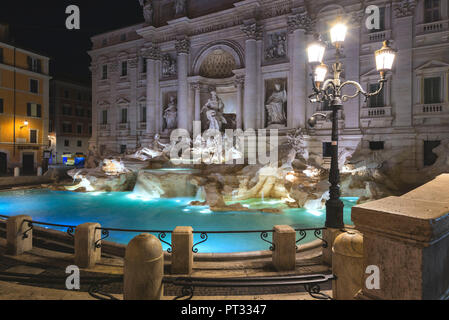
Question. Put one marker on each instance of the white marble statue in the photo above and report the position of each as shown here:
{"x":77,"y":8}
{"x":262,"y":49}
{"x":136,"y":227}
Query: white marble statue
{"x":214,"y":112}
{"x":170,"y":114}
{"x":275,"y":106}
{"x":168,"y":66}
{"x":148,"y":10}
{"x":277,"y":48}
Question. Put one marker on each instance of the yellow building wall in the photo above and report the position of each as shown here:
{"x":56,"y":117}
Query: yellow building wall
{"x":23,"y":97}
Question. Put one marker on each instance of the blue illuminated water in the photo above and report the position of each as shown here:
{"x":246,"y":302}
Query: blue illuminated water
{"x":125,"y":211}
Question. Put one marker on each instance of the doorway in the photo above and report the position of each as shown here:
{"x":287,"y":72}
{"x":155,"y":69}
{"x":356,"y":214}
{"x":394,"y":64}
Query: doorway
{"x":3,"y":163}
{"x":28,"y":163}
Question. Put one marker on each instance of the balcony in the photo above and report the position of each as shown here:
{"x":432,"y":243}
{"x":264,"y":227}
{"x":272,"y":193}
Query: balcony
{"x":432,"y":27}
{"x":104,"y":130}
{"x":430,"y":113}
{"x":142,"y":126}
{"x":377,"y":36}
{"x":376,"y":117}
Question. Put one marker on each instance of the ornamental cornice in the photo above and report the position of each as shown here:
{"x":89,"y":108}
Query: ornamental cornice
{"x":404,"y":8}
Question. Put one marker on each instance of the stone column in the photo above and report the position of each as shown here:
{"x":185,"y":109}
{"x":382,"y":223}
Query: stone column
{"x":183,"y":50}
{"x":197,"y":88}
{"x":406,"y":244}
{"x":16,"y":243}
{"x":86,"y":252}
{"x":239,"y":84}
{"x":253,"y":32}
{"x":133,"y":112}
{"x":298,"y":25}
{"x":95,"y":78}
{"x":402,"y":81}
{"x":152,"y":54}
{"x":182,"y":256}
{"x":284,"y":254}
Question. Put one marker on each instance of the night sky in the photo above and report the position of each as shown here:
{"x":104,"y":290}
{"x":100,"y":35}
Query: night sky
{"x":39,"y":25}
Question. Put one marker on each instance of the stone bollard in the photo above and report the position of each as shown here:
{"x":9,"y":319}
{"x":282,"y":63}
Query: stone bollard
{"x":347,"y":265}
{"x":144,"y":269}
{"x":39,"y":171}
{"x":329,"y":235}
{"x":284,"y":254}
{"x":182,"y":256}
{"x":16,"y":172}
{"x":86,"y":254}
{"x":15,"y":229}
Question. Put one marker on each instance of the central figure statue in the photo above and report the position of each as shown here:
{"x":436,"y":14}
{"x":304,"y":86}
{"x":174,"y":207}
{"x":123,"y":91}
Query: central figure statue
{"x":275,"y":106}
{"x":214,"y":111}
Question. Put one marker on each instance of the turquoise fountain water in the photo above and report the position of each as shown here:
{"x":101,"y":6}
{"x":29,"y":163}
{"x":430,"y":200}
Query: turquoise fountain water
{"x":129,"y":211}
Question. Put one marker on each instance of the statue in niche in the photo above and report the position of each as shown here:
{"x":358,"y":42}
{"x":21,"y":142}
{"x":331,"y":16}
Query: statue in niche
{"x":168,"y":66}
{"x":180,"y":7}
{"x":214,"y":112}
{"x":170,"y":114}
{"x":277,"y":48}
{"x":275,"y":106}
{"x":148,"y":10}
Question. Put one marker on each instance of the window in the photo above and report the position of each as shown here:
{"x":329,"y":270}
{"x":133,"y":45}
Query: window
{"x":376,"y":145}
{"x":144,"y":114}
{"x":376,"y":101}
{"x":79,"y":143}
{"x":66,"y":94}
{"x":124,"y":115}
{"x":33,"y":136}
{"x":34,"y":110}
{"x":1,"y":55}
{"x":104,"y":74}
{"x":50,"y":126}
{"x":104,"y":117}
{"x":34,"y":64}
{"x":431,"y":10}
{"x":1,"y":105}
{"x":123,"y":148}
{"x":67,"y":127}
{"x":144,"y":65}
{"x":90,"y":130}
{"x":327,"y":149}
{"x":66,"y":110}
{"x":80,"y":97}
{"x":124,"y":69}
{"x":432,"y":90}
{"x":89,"y":113}
{"x":66,"y":143}
{"x":79,"y":112}
{"x":429,"y":157}
{"x":34,"y":86}
{"x":79,"y":129}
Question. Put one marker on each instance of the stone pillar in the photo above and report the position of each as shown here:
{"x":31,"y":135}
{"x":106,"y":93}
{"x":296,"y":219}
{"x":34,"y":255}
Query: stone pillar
{"x":407,"y":239}
{"x":253,"y":32}
{"x":239,"y":84}
{"x":133,"y":109}
{"x":182,"y":256}
{"x":16,"y":244}
{"x":144,"y":269}
{"x":298,"y":25}
{"x":347,"y":265}
{"x":39,"y":171}
{"x":284,"y":254}
{"x":402,"y":97}
{"x":152,"y":54}
{"x":329,"y":235}
{"x":16,"y":172}
{"x":86,"y":253}
{"x":183,"y":50}
{"x":93,"y":141}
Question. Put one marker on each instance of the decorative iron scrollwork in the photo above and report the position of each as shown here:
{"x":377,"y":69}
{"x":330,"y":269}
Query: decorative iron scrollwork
{"x":264,"y":236}
{"x":105,"y":234}
{"x":302,"y":236}
{"x":314,"y":290}
{"x":25,"y":234}
{"x":203,"y":236}
{"x":161,"y":236}
{"x":319,"y":234}
{"x":71,"y":231}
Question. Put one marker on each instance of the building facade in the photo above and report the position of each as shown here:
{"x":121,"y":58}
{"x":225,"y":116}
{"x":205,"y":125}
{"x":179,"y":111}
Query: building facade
{"x":252,"y":53}
{"x":24,"y":103}
{"x":70,"y":121}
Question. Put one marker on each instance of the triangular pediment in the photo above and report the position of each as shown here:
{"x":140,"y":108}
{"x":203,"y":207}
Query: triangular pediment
{"x":142,"y":99}
{"x":103,"y":103}
{"x":122,"y":101}
{"x":433,"y":64}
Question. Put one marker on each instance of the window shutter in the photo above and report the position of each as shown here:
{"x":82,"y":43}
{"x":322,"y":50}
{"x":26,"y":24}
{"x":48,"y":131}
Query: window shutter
{"x":39,"y":111}
{"x":39,"y":66}
{"x":30,"y":63}
{"x":29,"y":109}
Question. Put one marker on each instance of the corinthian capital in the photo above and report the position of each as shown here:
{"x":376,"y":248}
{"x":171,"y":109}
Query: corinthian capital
{"x":405,"y":8}
{"x":152,"y":52}
{"x":183,"y":46}
{"x":300,"y":21}
{"x":252,"y":31}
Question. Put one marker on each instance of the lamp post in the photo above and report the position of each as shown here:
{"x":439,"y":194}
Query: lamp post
{"x":331,"y":91}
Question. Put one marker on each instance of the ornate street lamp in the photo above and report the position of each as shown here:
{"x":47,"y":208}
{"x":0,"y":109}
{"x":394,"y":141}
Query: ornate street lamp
{"x":330,"y":91}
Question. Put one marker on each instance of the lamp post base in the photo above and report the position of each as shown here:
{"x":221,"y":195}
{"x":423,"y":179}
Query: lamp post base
{"x":334,"y":214}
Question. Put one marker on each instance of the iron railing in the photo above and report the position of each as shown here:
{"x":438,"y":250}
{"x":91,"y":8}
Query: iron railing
{"x":70,"y":229}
